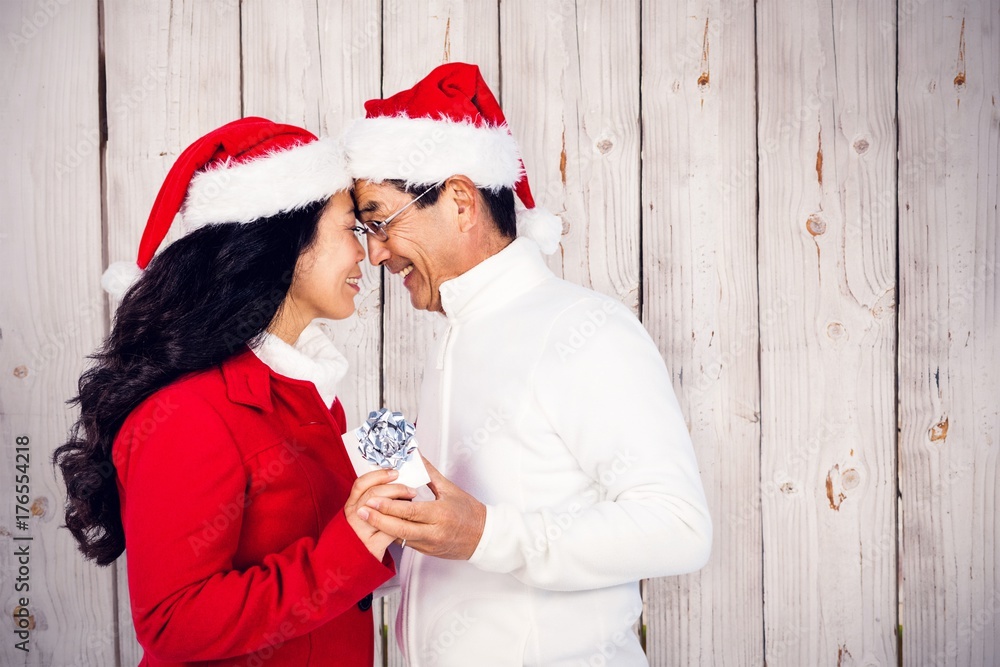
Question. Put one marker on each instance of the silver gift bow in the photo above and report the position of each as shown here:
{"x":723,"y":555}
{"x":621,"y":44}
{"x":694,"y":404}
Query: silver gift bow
{"x":385,"y":439}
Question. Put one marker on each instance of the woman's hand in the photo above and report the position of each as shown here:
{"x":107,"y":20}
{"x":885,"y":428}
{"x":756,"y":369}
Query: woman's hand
{"x":375,"y":484}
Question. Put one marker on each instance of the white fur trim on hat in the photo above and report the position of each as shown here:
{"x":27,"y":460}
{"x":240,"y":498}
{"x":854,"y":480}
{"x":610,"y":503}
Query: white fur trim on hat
{"x":541,"y":226}
{"x":275,"y":183}
{"x":428,"y":151}
{"x":119,"y":277}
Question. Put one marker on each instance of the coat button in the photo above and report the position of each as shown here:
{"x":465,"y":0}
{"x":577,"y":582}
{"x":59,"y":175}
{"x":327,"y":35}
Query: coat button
{"x":366,"y":602}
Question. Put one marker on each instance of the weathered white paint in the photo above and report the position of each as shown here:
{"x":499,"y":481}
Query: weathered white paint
{"x":700,"y":304}
{"x":827,"y":264}
{"x":570,"y":92}
{"x":949,"y":347}
{"x":52,"y":315}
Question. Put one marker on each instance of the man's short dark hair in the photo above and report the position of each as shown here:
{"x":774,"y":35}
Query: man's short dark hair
{"x":500,"y":203}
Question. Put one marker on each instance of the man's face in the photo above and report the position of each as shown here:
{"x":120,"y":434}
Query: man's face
{"x":422,"y":247}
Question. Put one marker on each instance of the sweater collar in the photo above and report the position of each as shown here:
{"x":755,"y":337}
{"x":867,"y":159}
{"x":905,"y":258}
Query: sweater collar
{"x":313,"y":358}
{"x":494,"y":281}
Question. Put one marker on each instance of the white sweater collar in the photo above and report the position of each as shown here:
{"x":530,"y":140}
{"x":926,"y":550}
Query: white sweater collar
{"x":494,"y":281}
{"x":314,"y":358}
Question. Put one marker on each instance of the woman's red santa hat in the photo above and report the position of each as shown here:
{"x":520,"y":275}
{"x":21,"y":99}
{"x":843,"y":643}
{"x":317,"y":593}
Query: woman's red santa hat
{"x":244,"y":171}
{"x":449,"y":123}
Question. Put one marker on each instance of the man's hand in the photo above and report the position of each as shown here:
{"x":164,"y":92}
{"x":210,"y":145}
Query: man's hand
{"x":448,"y":527}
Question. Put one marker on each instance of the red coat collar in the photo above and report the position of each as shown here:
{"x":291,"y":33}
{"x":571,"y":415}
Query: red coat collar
{"x":248,"y":380}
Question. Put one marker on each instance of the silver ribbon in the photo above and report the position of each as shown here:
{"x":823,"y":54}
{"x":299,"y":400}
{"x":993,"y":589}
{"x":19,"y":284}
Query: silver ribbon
{"x":385,"y":439}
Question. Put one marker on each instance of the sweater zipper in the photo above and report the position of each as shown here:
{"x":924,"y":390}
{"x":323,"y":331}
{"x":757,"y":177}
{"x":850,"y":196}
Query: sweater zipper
{"x":443,"y":366}
{"x":444,"y":348}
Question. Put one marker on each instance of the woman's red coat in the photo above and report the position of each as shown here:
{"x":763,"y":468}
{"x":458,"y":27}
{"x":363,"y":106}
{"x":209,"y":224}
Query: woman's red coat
{"x":233,"y":482}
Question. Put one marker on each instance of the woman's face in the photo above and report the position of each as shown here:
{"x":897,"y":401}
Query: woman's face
{"x":327,"y":273}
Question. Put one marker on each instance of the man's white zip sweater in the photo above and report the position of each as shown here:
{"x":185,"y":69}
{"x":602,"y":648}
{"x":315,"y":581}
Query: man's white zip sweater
{"x":549,"y":403}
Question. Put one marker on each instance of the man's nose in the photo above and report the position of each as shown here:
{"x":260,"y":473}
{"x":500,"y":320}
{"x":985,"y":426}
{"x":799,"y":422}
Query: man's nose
{"x":377,"y":252}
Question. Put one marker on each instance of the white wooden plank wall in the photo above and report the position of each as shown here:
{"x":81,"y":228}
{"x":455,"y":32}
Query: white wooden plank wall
{"x":827,"y":268}
{"x":726,"y":168}
{"x":949,"y":361}
{"x":52,"y":315}
{"x":700,"y":304}
{"x":570,"y":93}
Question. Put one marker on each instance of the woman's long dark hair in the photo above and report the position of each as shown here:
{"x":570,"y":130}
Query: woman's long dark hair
{"x":199,"y":302}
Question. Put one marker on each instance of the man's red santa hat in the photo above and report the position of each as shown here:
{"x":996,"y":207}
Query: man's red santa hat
{"x":244,"y":171}
{"x":447,"y":124}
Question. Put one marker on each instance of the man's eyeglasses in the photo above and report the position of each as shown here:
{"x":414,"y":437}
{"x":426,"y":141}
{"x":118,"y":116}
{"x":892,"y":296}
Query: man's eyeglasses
{"x":377,"y":227}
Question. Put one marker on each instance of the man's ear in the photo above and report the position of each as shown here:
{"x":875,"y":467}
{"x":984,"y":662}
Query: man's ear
{"x":462,"y":192}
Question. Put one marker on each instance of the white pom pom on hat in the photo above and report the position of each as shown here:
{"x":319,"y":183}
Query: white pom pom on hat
{"x":119,"y":277}
{"x":541,"y":226}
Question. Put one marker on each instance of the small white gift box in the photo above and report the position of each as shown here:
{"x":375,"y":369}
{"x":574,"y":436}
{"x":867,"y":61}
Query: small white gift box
{"x":412,"y":473}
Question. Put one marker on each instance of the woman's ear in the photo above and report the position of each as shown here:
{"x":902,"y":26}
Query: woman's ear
{"x":463,"y":193}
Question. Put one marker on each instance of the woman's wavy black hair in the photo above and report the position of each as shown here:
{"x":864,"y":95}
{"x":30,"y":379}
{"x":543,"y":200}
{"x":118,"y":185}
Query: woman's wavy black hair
{"x":201,"y":300}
